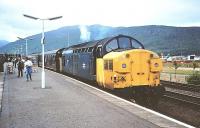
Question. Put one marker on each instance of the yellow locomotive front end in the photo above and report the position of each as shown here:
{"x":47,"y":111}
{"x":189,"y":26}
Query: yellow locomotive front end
{"x":131,"y":68}
{"x":135,"y":72}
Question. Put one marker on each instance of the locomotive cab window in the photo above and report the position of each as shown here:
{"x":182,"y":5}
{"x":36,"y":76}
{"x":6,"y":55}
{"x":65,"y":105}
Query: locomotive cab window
{"x":124,"y":43}
{"x":136,"y":45}
{"x":112,"y":45}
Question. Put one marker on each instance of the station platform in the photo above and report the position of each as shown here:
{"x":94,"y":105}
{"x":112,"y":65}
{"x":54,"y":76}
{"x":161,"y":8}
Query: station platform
{"x":68,"y":103}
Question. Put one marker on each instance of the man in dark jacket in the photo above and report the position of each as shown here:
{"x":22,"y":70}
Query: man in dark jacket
{"x":20,"y":67}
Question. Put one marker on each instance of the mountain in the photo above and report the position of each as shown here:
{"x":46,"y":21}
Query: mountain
{"x":160,"y":39}
{"x":3,"y":42}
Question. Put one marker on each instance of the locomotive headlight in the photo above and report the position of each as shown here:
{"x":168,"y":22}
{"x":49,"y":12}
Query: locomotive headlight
{"x":156,"y":64}
{"x":127,"y":55}
{"x":115,"y":78}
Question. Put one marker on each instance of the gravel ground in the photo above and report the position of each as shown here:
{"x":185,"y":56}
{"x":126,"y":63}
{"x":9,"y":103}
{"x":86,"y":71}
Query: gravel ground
{"x":184,"y":113}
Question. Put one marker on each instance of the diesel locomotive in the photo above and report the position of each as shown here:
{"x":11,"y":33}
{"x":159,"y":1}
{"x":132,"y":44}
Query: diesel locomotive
{"x":119,"y":63}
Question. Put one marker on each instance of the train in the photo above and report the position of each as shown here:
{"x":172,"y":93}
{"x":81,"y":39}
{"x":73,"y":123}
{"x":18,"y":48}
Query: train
{"x":118,"y":63}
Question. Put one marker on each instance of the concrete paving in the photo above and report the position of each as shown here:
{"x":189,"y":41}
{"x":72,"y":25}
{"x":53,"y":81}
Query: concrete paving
{"x":2,"y":76}
{"x":67,"y":104}
{"x":1,"y":88}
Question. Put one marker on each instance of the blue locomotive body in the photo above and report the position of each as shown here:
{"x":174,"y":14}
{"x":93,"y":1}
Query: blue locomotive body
{"x":79,"y":63}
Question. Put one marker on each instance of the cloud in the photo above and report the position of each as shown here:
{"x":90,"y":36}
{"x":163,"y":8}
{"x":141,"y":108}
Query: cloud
{"x":88,"y":12}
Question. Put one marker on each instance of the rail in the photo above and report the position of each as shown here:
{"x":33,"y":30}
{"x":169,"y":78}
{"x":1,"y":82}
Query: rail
{"x":185,"y":99}
{"x":188,"y":87}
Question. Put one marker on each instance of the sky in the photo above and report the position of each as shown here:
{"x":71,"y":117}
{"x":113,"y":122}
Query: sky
{"x":13,"y":24}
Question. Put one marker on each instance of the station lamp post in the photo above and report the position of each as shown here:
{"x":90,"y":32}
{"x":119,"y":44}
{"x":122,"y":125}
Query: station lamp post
{"x":26,"y":39}
{"x":42,"y":41}
{"x":21,"y":51}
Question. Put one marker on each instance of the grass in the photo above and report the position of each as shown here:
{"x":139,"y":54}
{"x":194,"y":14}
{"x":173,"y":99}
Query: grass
{"x":169,"y":67}
{"x":178,"y":71}
{"x":182,"y":64}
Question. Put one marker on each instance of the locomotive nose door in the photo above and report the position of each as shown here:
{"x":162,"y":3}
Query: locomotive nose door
{"x":140,"y":68}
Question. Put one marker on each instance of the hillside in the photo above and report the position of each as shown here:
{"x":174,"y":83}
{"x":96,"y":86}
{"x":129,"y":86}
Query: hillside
{"x":166,"y":39}
{"x":3,"y":42}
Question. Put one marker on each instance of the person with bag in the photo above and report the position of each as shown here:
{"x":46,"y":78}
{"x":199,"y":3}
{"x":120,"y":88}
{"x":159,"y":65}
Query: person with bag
{"x":28,"y":69}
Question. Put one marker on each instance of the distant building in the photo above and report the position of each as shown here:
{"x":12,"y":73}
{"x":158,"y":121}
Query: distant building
{"x":193,"y":58}
{"x":180,"y":58}
{"x":176,"y":58}
{"x":190,"y":57}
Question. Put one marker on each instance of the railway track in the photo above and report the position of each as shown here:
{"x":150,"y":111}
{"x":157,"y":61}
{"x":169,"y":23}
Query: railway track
{"x":184,"y":93}
{"x":185,"y":99}
{"x":187,"y":87}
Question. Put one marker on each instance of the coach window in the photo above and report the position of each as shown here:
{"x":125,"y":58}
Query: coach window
{"x":124,"y":43}
{"x":90,"y":49}
{"x":87,"y":50}
{"x":112,"y":45}
{"x":53,"y":59}
{"x":84,"y":49}
{"x":63,"y":60}
{"x":45,"y":59}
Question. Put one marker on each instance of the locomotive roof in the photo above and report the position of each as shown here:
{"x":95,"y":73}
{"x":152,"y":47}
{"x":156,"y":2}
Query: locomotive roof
{"x":95,"y":42}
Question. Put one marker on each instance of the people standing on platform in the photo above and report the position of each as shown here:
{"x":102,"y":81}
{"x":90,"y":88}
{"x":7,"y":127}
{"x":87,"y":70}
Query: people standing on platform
{"x":16,"y":61}
{"x":28,"y":68}
{"x":13,"y":61}
{"x":20,"y":67}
